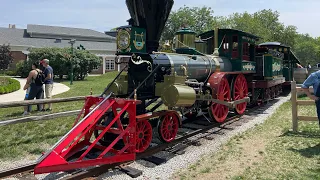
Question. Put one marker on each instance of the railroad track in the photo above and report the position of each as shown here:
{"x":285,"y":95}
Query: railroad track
{"x":198,"y":127}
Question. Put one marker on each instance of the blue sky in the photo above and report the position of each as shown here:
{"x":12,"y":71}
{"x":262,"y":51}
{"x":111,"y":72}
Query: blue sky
{"x":102,"y":15}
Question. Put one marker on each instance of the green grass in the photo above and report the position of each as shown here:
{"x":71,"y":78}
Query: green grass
{"x":3,"y":81}
{"x":79,"y":88}
{"x":8,"y":85}
{"x":269,"y":151}
{"x":32,"y":138}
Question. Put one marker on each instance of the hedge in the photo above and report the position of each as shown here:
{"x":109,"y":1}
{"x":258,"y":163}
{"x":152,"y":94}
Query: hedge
{"x":60,"y":60}
{"x":10,"y":86}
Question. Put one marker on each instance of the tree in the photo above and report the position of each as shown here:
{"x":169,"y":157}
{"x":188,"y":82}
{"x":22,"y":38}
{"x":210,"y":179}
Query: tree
{"x":307,"y":49}
{"x":5,"y":57}
{"x":84,"y":62}
{"x":57,"y":56}
{"x":265,"y":24}
{"x":196,"y":18}
{"x":60,"y":60}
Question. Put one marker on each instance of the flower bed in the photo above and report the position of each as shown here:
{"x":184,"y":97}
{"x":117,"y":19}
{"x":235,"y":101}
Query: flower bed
{"x":8,"y":85}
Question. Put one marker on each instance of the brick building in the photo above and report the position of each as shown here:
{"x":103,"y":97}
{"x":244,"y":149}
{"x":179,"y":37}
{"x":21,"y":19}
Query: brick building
{"x":39,"y":36}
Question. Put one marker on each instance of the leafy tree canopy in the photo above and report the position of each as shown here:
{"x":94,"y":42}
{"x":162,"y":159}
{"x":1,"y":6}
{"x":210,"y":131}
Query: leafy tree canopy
{"x":60,"y":60}
{"x":196,"y":18}
{"x":264,"y":23}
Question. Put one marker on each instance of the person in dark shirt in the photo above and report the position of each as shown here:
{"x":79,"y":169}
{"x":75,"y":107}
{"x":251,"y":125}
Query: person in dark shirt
{"x":34,"y":90}
{"x":48,"y":82}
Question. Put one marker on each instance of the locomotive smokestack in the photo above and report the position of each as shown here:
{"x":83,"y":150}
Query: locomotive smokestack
{"x":151,"y":15}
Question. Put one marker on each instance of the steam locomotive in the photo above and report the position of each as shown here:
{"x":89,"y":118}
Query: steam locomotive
{"x":212,"y":73}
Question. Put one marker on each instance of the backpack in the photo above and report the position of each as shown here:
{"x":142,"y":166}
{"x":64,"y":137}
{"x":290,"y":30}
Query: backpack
{"x":39,"y":81}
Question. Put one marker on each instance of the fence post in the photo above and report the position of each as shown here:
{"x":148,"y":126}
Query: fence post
{"x":294,"y":106}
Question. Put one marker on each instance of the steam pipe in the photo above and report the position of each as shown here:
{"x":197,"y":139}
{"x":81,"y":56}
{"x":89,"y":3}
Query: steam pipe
{"x":216,"y":36}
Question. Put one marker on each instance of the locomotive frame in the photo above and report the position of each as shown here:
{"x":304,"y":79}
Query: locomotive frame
{"x":221,"y":71}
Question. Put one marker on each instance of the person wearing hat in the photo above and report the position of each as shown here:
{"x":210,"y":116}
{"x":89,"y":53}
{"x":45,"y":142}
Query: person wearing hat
{"x":48,"y":82}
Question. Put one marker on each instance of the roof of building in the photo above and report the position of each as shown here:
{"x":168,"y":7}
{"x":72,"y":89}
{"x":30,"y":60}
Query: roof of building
{"x":39,"y":36}
{"x":111,"y":33}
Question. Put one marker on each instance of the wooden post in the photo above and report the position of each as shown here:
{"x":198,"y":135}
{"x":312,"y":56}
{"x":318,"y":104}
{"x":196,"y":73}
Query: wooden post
{"x":294,"y":106}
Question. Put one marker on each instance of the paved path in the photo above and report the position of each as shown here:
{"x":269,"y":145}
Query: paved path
{"x":19,"y":95}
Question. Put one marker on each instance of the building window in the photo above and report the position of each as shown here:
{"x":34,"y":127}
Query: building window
{"x":110,"y":64}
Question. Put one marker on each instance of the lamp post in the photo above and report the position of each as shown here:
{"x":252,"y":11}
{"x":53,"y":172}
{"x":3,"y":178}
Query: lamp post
{"x":72,"y":41}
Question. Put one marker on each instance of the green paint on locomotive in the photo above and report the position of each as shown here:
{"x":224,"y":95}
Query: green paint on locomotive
{"x":185,"y":42}
{"x":248,"y":66}
{"x":272,"y":67}
{"x":131,"y":39}
{"x":289,"y":59}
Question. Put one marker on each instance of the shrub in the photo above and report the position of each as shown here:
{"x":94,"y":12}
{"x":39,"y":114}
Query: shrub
{"x":22,"y":68}
{"x":10,"y":73}
{"x":9,"y":85}
{"x":60,"y":60}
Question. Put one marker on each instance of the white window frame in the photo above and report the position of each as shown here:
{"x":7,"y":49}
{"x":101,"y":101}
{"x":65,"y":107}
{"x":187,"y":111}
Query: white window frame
{"x":110,"y":64}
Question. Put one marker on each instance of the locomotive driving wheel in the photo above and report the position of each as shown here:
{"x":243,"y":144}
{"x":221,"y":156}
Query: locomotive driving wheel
{"x":168,"y":127}
{"x":240,"y":91}
{"x":143,"y":135}
{"x":221,"y":91}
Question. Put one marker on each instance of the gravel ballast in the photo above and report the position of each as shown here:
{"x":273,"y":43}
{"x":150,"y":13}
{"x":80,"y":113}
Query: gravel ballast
{"x":175,"y":162}
{"x":194,"y":153}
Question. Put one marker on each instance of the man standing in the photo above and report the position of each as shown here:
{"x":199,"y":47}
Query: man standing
{"x":48,"y":82}
{"x":313,"y":80}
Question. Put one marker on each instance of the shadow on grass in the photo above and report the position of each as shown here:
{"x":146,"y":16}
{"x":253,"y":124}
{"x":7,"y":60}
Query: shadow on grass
{"x":308,"y":152}
{"x":68,"y":80}
{"x":14,"y":114}
{"x":18,"y":114}
{"x":304,"y":134}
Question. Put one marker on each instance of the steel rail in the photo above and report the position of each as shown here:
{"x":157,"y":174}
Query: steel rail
{"x":94,"y":172}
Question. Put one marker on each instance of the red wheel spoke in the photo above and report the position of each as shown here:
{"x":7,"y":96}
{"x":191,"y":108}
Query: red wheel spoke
{"x":219,"y":112}
{"x":142,"y":143}
{"x":239,"y":92}
{"x":168,"y":127}
{"x":237,"y":87}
